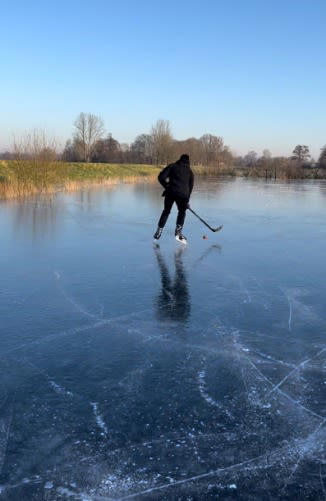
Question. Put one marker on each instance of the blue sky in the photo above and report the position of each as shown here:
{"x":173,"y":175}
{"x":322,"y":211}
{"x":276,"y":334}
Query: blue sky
{"x":251,"y":71}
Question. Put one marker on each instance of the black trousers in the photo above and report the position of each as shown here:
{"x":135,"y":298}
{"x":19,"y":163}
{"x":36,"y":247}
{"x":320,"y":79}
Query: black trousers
{"x":182,"y":204}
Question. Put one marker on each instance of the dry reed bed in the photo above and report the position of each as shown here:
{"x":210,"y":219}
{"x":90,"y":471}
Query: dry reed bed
{"x":10,"y":191}
{"x":27,"y":178}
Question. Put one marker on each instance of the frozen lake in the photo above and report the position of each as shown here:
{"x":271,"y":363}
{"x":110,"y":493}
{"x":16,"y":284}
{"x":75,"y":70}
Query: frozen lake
{"x":128,"y":372}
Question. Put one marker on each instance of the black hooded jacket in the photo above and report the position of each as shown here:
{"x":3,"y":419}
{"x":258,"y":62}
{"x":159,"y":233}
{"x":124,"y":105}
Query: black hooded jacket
{"x":178,"y":179}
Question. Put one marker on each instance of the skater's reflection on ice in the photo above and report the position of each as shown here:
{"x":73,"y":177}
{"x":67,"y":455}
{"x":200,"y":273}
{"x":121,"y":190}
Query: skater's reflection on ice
{"x":173,"y":302}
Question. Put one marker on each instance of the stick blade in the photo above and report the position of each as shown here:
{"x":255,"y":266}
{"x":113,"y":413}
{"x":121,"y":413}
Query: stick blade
{"x":218,"y":228}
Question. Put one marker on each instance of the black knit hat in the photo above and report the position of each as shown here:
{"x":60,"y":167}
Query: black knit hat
{"x":184,"y":158}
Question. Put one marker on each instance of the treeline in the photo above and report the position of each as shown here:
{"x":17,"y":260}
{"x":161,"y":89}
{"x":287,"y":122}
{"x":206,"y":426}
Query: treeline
{"x":90,"y":143}
{"x":299,"y":165}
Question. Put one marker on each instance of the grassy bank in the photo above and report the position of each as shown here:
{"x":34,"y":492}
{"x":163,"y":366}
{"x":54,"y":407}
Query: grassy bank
{"x":25,"y":178}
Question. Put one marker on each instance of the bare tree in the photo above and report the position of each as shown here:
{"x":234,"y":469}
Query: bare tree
{"x":35,"y":146}
{"x":89,"y":129}
{"x":162,"y":141}
{"x":301,"y":153}
{"x":212,"y":147}
{"x":191,"y":146}
{"x":322,"y":158}
{"x":267,"y":154}
{"x":227,"y":156}
{"x":106,"y":150}
{"x":125,"y":153}
{"x":251,"y":158}
{"x":142,"y":149}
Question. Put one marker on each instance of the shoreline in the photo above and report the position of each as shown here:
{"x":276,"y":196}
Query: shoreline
{"x":25,"y":179}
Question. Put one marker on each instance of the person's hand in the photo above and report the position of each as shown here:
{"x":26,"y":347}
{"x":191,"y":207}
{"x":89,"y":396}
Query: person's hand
{"x":188,"y":205}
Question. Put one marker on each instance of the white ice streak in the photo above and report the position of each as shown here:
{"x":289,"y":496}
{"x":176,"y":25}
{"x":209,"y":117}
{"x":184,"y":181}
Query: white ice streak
{"x":55,"y":386}
{"x":290,"y":315}
{"x":296,"y":368}
{"x":99,"y":419}
{"x":59,"y":389}
{"x":277,"y":387}
{"x":72,"y":301}
{"x":204,"y":393}
{"x":283,"y":393}
{"x":270,"y":359}
{"x":302,"y":310}
{"x":5,"y":426}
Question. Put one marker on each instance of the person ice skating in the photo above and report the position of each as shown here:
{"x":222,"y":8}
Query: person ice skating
{"x":177,"y":180}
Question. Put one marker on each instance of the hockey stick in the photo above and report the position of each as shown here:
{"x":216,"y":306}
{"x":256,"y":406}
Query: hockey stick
{"x":200,"y":219}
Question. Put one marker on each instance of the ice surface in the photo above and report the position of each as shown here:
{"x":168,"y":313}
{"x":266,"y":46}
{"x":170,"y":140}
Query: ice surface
{"x":128,"y":372}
